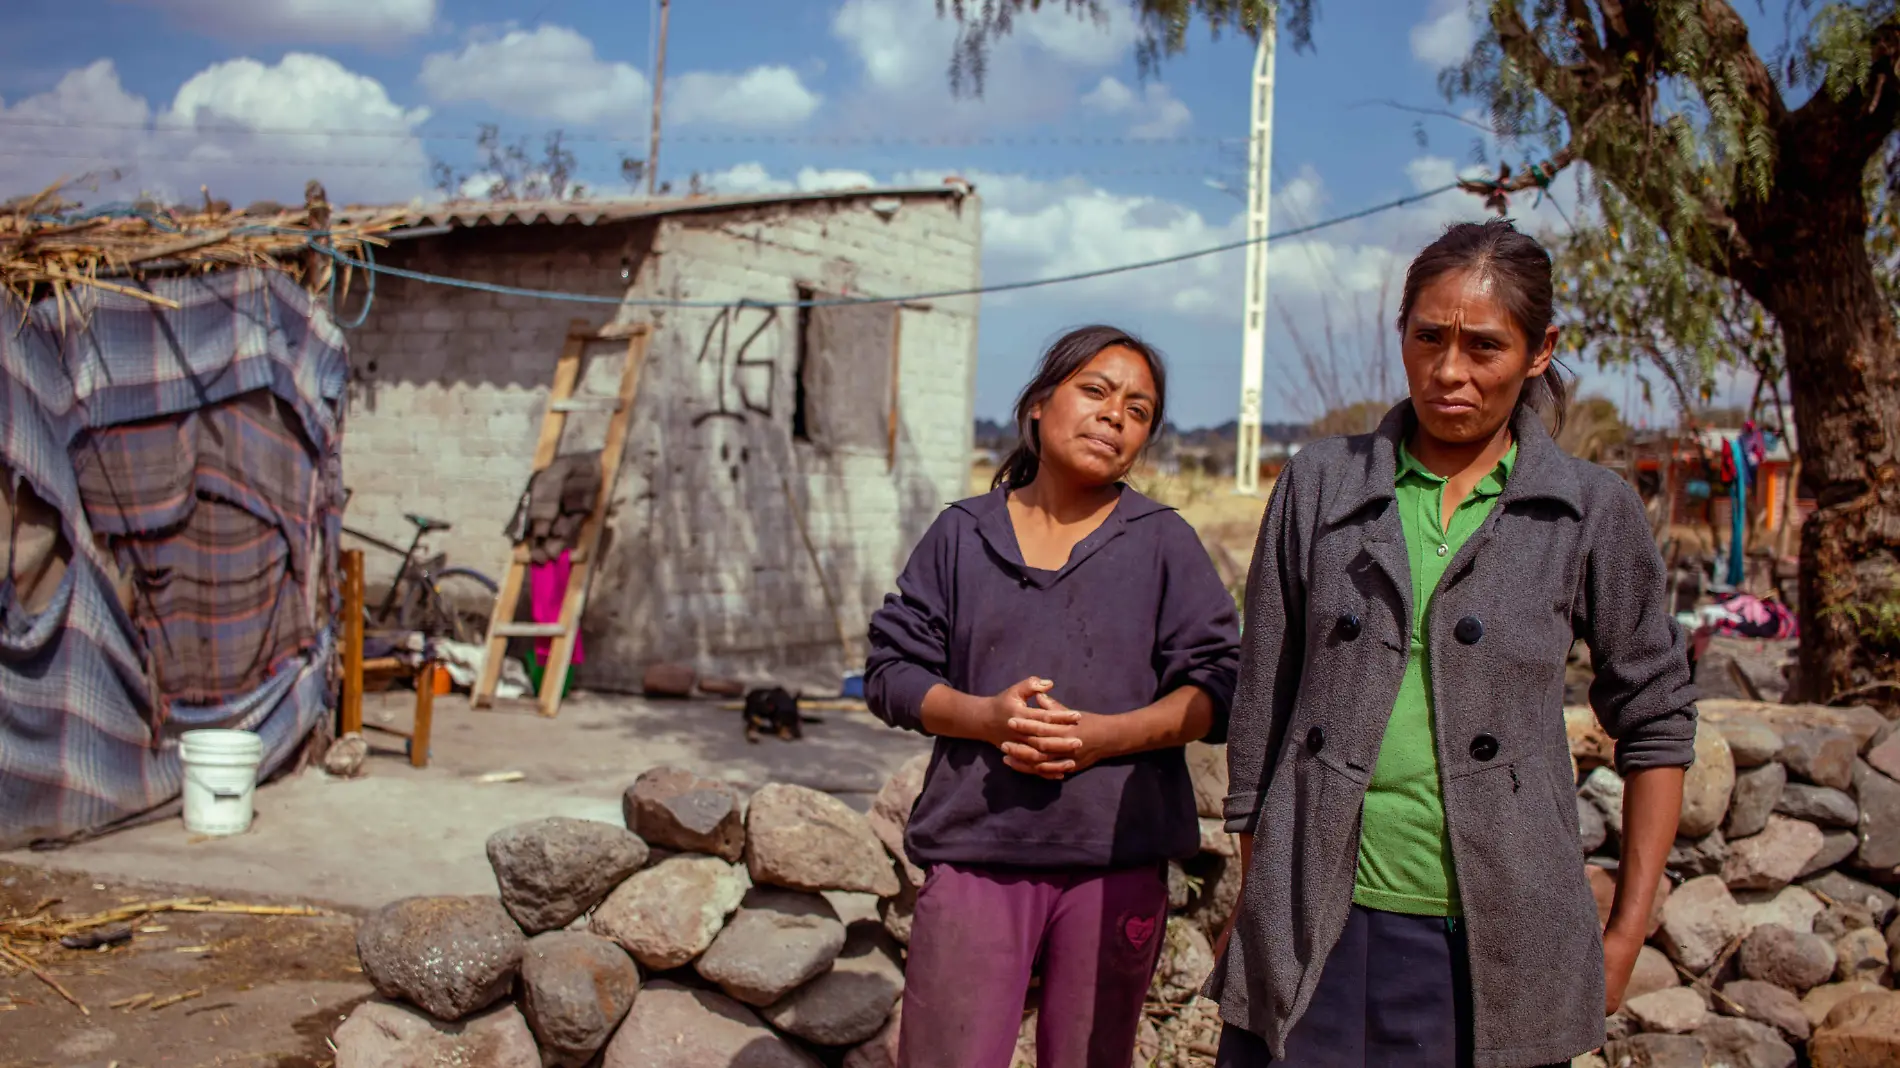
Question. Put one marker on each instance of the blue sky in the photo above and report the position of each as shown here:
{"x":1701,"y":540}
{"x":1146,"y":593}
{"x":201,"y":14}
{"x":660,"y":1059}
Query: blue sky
{"x":255,"y":97}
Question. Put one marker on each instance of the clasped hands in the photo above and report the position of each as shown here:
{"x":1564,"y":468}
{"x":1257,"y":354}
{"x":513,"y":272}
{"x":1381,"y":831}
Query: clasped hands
{"x":1041,"y":736}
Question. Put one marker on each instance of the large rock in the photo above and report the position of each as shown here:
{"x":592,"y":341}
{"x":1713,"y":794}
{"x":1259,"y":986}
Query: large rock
{"x":1746,"y":669}
{"x":1884,"y":754}
{"x":805,"y":840}
{"x":1691,"y":858}
{"x":1756,"y":792}
{"x":1755,"y":1000}
{"x":1700,"y":919}
{"x":1656,"y":1051}
{"x":675,"y":809}
{"x":1219,"y":897}
{"x":1841,"y":917}
{"x":852,"y":1001}
{"x":890,"y":812}
{"x":671,"y":912}
{"x":1821,"y":1000}
{"x":1860,"y":723}
{"x":1653,"y":972}
{"x":1186,"y":959}
{"x":1675,"y":1011}
{"x":1836,"y":847}
{"x":449,"y":956}
{"x":896,"y":913}
{"x":1774,"y":954}
{"x":881,"y":1050}
{"x":1590,"y":746}
{"x":1706,"y":786}
{"x":553,"y":870}
{"x":1216,"y":840}
{"x":1604,"y":789}
{"x":380,"y":1035}
{"x":1207,"y":767}
{"x":1879,"y":819}
{"x":1791,"y":907}
{"x":672,"y":1026}
{"x":576,"y":988}
{"x":778,"y":939}
{"x":1818,"y":805}
{"x":1773,"y":858}
{"x":1590,"y":826}
{"x":1752,"y":743}
{"x":1861,"y":1032}
{"x":1603,"y":888}
{"x":1744,"y":1044}
{"x":1842,"y":887}
{"x":1861,"y":955}
{"x":1820,"y":755}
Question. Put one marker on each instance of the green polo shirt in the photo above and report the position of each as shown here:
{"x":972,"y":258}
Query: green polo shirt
{"x":1404,"y":854}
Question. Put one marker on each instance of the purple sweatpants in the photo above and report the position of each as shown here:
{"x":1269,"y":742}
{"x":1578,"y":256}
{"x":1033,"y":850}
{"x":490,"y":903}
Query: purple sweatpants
{"x":978,"y":933}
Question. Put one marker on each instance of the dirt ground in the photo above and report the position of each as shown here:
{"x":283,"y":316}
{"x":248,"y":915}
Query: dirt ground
{"x":271,"y":988}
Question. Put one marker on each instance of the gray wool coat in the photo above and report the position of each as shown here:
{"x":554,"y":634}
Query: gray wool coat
{"x":1566,"y":553}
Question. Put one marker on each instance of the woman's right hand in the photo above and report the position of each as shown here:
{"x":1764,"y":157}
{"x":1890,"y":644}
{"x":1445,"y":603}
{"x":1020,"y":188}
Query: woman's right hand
{"x":1014,"y":704}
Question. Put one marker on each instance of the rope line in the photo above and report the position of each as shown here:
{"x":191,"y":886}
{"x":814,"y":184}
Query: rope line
{"x":941,"y":294}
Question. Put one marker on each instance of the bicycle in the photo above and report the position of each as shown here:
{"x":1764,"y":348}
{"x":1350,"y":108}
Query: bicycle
{"x":426,"y":596}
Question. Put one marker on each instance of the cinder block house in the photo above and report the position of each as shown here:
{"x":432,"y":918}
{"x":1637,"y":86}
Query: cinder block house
{"x":781,"y":461}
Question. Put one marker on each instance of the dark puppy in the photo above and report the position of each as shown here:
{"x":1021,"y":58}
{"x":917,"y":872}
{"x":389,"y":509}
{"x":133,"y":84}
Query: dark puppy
{"x":772,"y":711}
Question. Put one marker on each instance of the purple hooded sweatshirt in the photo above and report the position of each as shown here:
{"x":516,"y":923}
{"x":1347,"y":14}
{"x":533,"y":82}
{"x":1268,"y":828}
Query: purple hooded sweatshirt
{"x":1137,"y":613}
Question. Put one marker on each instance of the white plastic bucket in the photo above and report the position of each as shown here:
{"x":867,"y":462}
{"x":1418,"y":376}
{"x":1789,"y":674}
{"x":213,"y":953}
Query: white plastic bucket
{"x":220,"y":777}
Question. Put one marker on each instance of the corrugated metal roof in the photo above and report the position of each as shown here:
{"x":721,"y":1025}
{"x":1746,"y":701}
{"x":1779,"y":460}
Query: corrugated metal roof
{"x":593,"y":212}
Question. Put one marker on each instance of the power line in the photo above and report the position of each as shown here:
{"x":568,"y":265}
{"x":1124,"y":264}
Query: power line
{"x":316,"y":163}
{"x":942,"y":294}
{"x":865,"y":140}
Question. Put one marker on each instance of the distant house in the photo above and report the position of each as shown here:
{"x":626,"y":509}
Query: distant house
{"x":781,"y":461}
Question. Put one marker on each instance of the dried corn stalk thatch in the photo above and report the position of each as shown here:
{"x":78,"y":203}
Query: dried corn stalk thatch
{"x":51,"y":247}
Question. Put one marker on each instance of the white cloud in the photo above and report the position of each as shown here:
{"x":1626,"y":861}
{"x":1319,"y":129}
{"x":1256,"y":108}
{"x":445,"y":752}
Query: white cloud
{"x":1035,"y":74}
{"x":762,"y":97}
{"x":232,"y":127}
{"x":306,"y":22}
{"x":1080,"y":42}
{"x":550,"y":72}
{"x":755,"y":178}
{"x":1445,"y":38}
{"x":1155,"y":112}
{"x":553,"y":73}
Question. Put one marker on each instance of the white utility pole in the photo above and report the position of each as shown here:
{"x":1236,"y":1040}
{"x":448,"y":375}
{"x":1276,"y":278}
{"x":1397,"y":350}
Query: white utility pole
{"x":659,"y":83}
{"x":1253,"y":347}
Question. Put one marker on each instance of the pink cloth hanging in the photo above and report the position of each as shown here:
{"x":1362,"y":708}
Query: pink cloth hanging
{"x":547,"y":588}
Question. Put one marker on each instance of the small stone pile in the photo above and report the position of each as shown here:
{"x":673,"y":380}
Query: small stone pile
{"x":713,"y":929}
{"x":1774,"y":933}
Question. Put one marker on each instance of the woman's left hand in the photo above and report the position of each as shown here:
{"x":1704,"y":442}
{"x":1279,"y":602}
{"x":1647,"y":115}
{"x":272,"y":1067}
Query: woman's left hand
{"x":1619,"y":960}
{"x":1055,"y":741}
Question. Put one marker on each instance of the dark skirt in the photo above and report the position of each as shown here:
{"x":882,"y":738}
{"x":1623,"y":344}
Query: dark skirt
{"x":1395,"y":993}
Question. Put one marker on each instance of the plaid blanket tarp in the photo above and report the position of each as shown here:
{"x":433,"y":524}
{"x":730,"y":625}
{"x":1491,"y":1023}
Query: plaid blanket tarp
{"x":83,"y":743}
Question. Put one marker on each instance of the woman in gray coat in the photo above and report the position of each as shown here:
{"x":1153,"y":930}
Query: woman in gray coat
{"x":1400,"y":778}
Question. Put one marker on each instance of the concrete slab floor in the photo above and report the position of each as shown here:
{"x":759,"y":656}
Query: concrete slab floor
{"x":399,"y":831}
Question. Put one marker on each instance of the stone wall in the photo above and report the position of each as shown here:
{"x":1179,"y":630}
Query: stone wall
{"x":705,"y":560}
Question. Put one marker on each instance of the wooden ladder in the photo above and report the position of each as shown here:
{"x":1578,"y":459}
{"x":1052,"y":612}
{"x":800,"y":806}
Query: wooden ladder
{"x":561,"y":401}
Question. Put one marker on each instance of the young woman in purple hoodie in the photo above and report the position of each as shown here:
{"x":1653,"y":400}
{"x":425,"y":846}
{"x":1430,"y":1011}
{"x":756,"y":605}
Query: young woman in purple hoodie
{"x":1062,"y":637}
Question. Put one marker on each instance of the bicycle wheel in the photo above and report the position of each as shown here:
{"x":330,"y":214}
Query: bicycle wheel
{"x":463,"y":602}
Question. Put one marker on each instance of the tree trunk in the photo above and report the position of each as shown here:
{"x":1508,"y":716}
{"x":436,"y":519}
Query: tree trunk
{"x":1844,"y":374}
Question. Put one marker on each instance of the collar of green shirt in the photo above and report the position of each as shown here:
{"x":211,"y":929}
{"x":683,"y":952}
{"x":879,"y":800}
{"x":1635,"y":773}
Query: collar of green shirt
{"x":1489,"y":486}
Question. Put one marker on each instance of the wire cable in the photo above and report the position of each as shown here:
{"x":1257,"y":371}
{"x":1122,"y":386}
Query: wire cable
{"x":941,"y":294}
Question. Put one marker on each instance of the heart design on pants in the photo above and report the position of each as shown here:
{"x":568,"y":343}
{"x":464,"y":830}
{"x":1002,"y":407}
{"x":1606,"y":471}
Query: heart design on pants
{"x":1139,"y":929}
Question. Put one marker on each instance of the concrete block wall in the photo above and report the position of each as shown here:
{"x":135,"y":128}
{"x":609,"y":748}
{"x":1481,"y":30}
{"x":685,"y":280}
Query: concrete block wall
{"x":709,"y":563}
{"x":705,"y":560}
